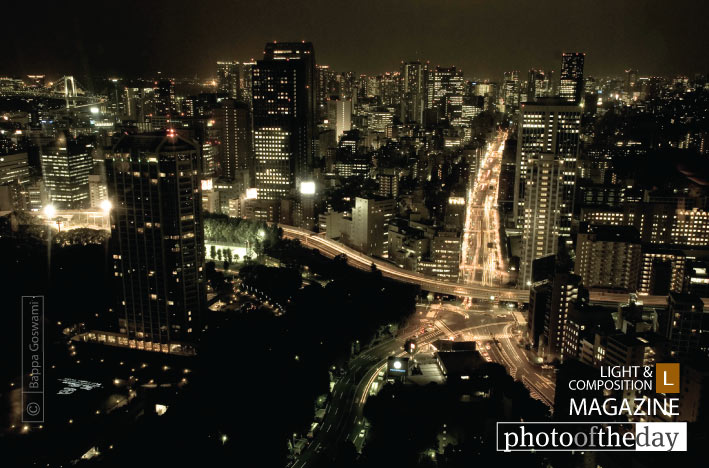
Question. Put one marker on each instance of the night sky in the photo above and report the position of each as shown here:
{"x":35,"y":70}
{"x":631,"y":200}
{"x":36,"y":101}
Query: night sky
{"x":133,"y":38}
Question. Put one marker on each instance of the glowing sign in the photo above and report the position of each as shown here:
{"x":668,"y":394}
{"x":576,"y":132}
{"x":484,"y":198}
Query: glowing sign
{"x":251,"y":193}
{"x":207,"y":184}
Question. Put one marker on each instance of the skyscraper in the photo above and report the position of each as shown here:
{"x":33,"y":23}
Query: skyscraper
{"x":66,"y":166}
{"x":542,"y":203}
{"x":510,"y":90}
{"x":548,"y":126}
{"x":165,"y":103}
{"x":445,"y":90}
{"x":283,"y":105}
{"x":412,"y":91}
{"x":571,"y":76}
{"x":233,"y":122}
{"x":154,"y":185}
{"x":539,"y":84}
{"x":228,"y":79}
{"x":339,"y":116}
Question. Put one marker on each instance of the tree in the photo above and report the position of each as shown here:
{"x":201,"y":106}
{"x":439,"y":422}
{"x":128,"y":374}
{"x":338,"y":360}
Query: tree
{"x":219,"y":254}
{"x":213,"y":252}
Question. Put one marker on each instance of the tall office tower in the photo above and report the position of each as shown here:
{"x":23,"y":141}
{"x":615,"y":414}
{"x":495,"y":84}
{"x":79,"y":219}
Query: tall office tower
{"x":389,"y":88}
{"x":346,"y":83}
{"x":66,"y":166}
{"x":445,"y":90}
{"x":245,"y":75}
{"x":412,"y":92}
{"x":542,"y":208}
{"x":548,"y":126}
{"x":165,"y":103}
{"x":228,"y":79}
{"x":156,"y":221}
{"x":325,"y":76}
{"x":571,"y":76}
{"x":233,"y":123}
{"x":510,"y":90}
{"x":687,"y":326}
{"x":539,"y":84}
{"x":339,"y":115}
{"x":283,"y":117}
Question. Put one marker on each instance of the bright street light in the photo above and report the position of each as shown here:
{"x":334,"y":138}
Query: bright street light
{"x":106,"y":206}
{"x":50,"y":211}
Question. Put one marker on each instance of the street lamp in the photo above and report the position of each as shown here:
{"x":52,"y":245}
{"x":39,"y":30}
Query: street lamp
{"x":50,"y":211}
{"x":106,"y":206}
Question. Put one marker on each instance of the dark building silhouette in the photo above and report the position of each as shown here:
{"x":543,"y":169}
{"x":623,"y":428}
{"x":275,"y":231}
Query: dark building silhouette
{"x":154,"y":183}
{"x":233,"y":122}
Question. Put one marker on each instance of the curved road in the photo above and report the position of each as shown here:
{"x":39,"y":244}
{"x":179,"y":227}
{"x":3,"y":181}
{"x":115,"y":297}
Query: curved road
{"x":331,"y":248}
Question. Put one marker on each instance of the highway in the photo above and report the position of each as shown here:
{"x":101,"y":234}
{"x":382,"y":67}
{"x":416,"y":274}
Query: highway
{"x":343,"y":419}
{"x":332,"y":248}
{"x":481,"y":259}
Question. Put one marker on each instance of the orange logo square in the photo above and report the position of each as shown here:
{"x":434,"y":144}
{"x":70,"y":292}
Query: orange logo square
{"x":667,"y":378}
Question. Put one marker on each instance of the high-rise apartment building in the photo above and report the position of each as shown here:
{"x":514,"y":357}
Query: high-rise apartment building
{"x":542,"y":212}
{"x":156,"y":221}
{"x":548,"y":126}
{"x":609,"y":257}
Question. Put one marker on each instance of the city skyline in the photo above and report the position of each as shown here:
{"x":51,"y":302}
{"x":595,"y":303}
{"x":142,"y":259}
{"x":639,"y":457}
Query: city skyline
{"x":345,"y":251}
{"x":493,"y":37}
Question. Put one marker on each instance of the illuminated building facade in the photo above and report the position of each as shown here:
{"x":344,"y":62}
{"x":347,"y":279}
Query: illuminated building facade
{"x":66,"y":166}
{"x":283,"y":87}
{"x":571,"y":76}
{"x":228,"y":79}
{"x":548,"y":126}
{"x":542,"y":205}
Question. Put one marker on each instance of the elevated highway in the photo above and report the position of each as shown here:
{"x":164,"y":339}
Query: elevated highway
{"x":332,"y":248}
